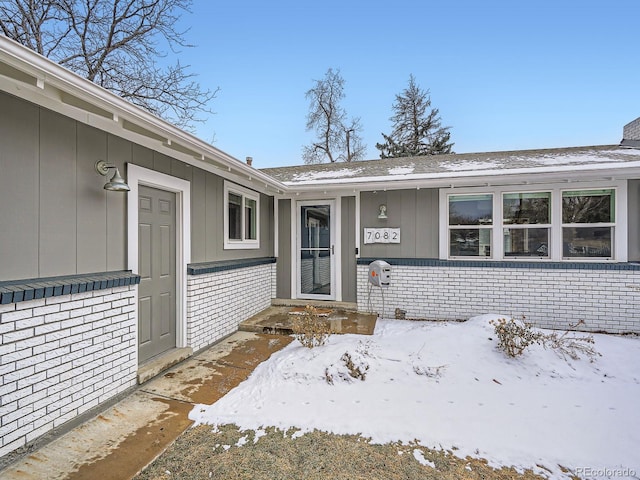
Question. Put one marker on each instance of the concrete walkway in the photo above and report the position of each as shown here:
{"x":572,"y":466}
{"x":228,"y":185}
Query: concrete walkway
{"x":121,"y":441}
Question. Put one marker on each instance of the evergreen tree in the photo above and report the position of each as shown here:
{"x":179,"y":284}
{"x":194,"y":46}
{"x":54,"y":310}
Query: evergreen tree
{"x":417,"y":128}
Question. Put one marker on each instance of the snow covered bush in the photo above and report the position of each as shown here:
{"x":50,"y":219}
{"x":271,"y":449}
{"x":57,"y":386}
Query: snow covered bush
{"x":309,"y":329}
{"x":514,"y":336}
{"x":568,"y":344}
{"x":356,"y":369}
{"x":421,"y":368}
{"x":431,"y":372}
{"x":352,"y":366}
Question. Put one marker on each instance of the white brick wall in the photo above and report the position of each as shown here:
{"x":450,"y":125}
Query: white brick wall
{"x":606,"y":300}
{"x":217,"y":302}
{"x":62,"y":356}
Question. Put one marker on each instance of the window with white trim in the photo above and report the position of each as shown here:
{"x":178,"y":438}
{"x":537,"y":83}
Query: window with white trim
{"x":550,"y":223}
{"x":526,"y":219}
{"x":470,"y":225}
{"x":241,"y":217}
{"x":588,"y":222}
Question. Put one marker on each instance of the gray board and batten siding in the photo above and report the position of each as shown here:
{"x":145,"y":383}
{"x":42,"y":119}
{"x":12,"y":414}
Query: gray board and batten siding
{"x":283,"y":264}
{"x":56,"y":217}
{"x":415,"y":212}
{"x":348,"y":241}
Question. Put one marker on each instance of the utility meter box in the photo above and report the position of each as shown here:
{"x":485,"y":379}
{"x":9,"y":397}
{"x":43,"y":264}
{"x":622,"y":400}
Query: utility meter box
{"x":380,"y":273}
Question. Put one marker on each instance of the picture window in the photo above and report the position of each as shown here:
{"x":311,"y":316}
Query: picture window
{"x":552,"y":224}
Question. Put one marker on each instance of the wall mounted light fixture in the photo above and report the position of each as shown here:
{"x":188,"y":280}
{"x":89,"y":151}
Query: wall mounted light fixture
{"x":382,"y":212}
{"x":117,"y":183}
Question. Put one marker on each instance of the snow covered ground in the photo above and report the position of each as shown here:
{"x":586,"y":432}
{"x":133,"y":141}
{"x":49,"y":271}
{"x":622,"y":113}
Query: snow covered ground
{"x":448,"y":386}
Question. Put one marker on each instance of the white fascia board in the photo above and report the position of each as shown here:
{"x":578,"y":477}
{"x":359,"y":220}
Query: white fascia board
{"x":48,"y":73}
{"x":622,"y":170}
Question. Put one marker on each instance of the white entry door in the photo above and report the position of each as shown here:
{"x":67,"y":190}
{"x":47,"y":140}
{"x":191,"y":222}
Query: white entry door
{"x":316,"y":246}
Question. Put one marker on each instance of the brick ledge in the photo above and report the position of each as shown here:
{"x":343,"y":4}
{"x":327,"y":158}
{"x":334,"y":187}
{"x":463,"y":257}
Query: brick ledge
{"x":15,"y":291}
{"x":223,"y":265}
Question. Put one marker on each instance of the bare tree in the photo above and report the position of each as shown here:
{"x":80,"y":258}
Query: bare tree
{"x":354,"y":149}
{"x":417,"y":128}
{"x":338,"y":140}
{"x":116,"y":44}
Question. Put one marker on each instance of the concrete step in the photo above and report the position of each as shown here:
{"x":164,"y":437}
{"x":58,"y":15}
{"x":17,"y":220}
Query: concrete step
{"x":277,"y":320}
{"x":162,"y":362}
{"x":288,"y":302}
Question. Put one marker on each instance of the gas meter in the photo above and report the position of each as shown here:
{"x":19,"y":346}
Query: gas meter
{"x":380,"y":273}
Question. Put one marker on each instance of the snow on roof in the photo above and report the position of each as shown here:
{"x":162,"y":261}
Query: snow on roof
{"x":402,"y":170}
{"x":569,"y":160}
{"x":469,"y":165}
{"x":319,"y":175}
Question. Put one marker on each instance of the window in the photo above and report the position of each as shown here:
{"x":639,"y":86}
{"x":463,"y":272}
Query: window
{"x":241,"y":217}
{"x":235,"y":216}
{"x":552,"y":222}
{"x":528,"y":216}
{"x":470,"y":222}
{"x":250,"y":218}
{"x":588,"y":220}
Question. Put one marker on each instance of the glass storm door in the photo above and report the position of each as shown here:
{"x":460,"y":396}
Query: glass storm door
{"x":316,"y":265}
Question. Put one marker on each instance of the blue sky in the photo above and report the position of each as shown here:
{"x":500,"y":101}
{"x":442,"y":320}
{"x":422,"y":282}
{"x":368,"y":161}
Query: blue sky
{"x":505,"y":75}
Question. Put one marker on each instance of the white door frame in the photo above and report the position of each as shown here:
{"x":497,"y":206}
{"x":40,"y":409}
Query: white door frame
{"x":336,"y":255}
{"x":182,"y":188}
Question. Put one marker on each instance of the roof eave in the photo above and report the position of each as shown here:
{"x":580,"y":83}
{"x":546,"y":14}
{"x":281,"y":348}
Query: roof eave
{"x":600,"y":172}
{"x":80,"y":93}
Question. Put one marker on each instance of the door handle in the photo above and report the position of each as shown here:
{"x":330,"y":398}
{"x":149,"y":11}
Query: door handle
{"x":332,"y":250}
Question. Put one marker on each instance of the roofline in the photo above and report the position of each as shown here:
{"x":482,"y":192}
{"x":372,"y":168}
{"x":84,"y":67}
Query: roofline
{"x":456,"y":156}
{"x":539,"y":175}
{"x":52,"y":86}
{"x":99,"y":104}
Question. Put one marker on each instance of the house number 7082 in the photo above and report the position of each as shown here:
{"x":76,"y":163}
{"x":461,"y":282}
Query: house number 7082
{"x":381,"y":235}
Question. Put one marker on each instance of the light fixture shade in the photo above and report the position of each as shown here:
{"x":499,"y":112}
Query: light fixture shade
{"x":117,"y":183}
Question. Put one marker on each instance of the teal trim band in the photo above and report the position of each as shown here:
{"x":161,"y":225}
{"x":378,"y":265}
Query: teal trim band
{"x":14,"y":291}
{"x":224,"y":265}
{"x":434,"y":262}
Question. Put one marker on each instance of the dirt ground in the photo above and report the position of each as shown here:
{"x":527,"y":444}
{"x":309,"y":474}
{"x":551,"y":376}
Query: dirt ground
{"x":229,"y":453}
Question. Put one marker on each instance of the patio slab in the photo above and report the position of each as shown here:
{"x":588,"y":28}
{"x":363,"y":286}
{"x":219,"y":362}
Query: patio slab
{"x":278,"y":320}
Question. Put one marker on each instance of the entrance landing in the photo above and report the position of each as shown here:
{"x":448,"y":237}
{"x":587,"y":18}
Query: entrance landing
{"x":277,"y":320}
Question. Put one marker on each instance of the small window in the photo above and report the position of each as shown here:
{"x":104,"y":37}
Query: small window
{"x":470,"y":225}
{"x":235,"y":216}
{"x":526,"y":218}
{"x":588,"y":223}
{"x":251,"y":219}
{"x":241,"y":217}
